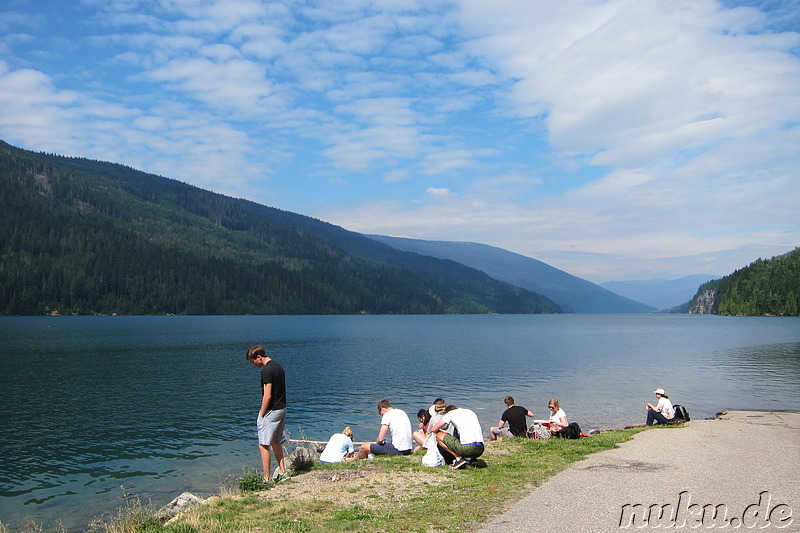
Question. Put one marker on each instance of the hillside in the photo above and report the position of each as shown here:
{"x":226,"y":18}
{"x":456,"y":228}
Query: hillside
{"x":765,"y":287}
{"x":573,"y":294}
{"x":659,"y":293}
{"x":84,"y":237}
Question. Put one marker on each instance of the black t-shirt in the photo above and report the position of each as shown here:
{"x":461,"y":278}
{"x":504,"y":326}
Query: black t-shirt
{"x":272,"y":372}
{"x":515,"y":418}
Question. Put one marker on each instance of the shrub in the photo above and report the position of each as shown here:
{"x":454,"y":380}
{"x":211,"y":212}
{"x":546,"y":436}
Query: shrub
{"x":253,"y":481}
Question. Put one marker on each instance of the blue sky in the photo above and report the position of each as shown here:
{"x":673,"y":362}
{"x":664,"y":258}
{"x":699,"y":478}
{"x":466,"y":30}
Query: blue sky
{"x":614,"y":139}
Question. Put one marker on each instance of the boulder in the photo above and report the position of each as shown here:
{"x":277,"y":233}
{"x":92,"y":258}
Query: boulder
{"x":177,"y":506}
{"x":300,"y":459}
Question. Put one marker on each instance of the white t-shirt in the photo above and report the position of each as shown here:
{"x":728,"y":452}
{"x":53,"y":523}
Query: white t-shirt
{"x":665,"y":407}
{"x":467,"y":424}
{"x":557,"y":417}
{"x":436,"y":418}
{"x":399,"y":427}
{"x":338,"y":445}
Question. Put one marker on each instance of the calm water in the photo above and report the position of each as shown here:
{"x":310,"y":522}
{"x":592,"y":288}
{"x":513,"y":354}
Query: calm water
{"x":94,"y":408}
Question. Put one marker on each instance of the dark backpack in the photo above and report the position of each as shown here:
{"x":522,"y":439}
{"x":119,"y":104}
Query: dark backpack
{"x":572,"y":431}
{"x":681,"y":412}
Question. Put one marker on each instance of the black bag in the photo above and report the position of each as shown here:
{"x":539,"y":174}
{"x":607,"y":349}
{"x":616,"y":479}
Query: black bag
{"x":572,"y":431}
{"x":681,"y":412}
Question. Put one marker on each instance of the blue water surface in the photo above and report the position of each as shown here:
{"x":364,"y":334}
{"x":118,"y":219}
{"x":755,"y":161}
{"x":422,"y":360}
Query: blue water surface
{"x":97,"y":409}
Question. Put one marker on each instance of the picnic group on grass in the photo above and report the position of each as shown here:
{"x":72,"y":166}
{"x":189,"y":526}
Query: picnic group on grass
{"x":449,"y":434}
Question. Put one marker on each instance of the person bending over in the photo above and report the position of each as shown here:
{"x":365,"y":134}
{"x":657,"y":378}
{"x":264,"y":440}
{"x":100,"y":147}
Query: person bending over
{"x":469,"y":444}
{"x":339,"y":448}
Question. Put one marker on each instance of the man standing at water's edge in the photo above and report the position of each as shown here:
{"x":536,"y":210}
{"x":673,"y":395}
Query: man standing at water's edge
{"x":272,"y":415}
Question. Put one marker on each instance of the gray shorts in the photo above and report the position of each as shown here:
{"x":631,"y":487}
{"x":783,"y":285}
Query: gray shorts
{"x":502,"y":432}
{"x":270,"y":427}
{"x":386,"y":449}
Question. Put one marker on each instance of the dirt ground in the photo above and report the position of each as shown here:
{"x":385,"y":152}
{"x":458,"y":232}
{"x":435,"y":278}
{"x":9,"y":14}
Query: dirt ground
{"x":354,"y":486}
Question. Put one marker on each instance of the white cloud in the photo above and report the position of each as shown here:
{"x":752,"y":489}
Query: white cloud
{"x":32,"y":108}
{"x":443,"y":161}
{"x":262,"y":41}
{"x":172,"y":141}
{"x":695,"y":117}
{"x":235,"y":84}
{"x":439,"y":192}
{"x":633,"y":81}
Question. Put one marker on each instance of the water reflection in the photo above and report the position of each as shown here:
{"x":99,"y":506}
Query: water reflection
{"x":759,"y":376}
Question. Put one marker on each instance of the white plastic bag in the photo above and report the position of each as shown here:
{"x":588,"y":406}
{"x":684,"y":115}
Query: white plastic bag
{"x":432,"y":456}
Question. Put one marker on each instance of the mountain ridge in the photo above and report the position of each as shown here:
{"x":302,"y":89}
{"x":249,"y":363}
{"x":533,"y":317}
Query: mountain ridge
{"x":572,"y":293}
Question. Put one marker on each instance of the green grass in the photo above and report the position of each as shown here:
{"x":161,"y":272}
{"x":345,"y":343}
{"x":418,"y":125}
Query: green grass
{"x":253,"y":481}
{"x":438,"y":499}
{"x":443,"y":499}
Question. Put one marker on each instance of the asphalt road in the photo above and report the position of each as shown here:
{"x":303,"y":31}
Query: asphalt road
{"x":740,"y":471}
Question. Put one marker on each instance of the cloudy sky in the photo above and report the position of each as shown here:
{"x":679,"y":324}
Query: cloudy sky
{"x":614,"y":139}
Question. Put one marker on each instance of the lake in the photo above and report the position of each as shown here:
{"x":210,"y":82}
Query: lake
{"x":97,"y":409}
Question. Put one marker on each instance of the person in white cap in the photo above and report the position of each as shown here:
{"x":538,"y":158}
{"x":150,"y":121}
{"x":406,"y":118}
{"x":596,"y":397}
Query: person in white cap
{"x":662,"y":412}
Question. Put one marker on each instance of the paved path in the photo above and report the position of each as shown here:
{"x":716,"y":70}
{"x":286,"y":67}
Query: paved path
{"x":746,"y":461}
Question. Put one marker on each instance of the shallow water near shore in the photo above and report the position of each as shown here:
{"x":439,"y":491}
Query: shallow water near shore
{"x":94,"y":409}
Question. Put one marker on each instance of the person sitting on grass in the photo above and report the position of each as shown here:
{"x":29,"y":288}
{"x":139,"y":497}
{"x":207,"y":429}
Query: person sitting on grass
{"x":663,"y":412}
{"x":514,"y":416}
{"x":558,"y":418}
{"x":396,"y":424}
{"x":421,"y":434}
{"x":469,"y":445}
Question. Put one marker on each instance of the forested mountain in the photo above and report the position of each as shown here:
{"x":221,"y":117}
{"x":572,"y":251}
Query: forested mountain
{"x":82,"y":236}
{"x":573,"y":294}
{"x":765,"y":287}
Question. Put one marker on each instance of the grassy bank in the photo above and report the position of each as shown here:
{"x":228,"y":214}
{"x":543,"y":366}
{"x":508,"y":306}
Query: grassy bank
{"x":390,"y":494}
{"x":384,"y":494}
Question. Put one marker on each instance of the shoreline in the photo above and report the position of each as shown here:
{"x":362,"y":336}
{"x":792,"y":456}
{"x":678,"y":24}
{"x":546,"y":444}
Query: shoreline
{"x":324,"y":476}
{"x":633,"y":468}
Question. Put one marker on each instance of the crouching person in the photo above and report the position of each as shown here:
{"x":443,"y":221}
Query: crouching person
{"x":468,"y":446}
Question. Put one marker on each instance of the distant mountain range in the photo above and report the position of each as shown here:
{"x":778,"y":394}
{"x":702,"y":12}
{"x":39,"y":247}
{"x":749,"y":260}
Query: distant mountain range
{"x":660,"y":293}
{"x":573,"y":294}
